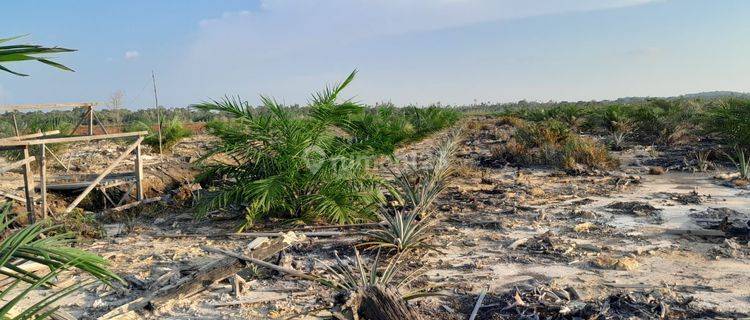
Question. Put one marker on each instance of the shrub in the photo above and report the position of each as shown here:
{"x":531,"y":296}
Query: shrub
{"x":552,"y":143}
{"x":550,"y":132}
{"x":587,"y":152}
{"x":171,"y":134}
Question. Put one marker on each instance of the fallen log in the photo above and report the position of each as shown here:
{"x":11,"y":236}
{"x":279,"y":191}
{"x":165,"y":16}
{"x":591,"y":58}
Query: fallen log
{"x":203,"y":277}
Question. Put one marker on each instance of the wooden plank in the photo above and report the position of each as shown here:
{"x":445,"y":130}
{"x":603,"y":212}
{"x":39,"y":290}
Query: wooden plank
{"x":138,"y":173}
{"x":106,"y":197}
{"x":72,"y":139}
{"x":57,"y":159}
{"x":135,"y":204}
{"x":103,"y":174}
{"x":31,"y":136}
{"x":12,"y":196}
{"x":17,"y":164}
{"x":108,"y":182}
{"x":40,"y":106}
{"x":43,"y":179}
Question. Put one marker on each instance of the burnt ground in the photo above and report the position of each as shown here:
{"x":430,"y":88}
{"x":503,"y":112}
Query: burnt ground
{"x":540,"y":243}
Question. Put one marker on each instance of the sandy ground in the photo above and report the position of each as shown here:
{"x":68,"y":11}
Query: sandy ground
{"x":501,"y":228}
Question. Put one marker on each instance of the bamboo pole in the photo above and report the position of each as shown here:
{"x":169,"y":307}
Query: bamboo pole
{"x":101,"y":176}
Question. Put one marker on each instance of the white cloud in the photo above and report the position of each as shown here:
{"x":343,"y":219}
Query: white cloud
{"x":132,"y":54}
{"x":248,"y":48}
{"x":280,"y":26}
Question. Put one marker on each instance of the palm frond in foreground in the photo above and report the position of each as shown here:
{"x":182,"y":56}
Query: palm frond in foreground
{"x":27,"y":245}
{"x":28,"y":52}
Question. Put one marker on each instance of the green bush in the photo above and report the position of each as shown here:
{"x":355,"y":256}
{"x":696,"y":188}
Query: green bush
{"x":172,"y":133}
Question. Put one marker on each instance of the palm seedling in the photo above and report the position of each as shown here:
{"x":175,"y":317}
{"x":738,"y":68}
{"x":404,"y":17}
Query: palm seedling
{"x":27,"y":52}
{"x":742,"y":162}
{"x":26,"y":245}
{"x":702,"y":160}
{"x":407,"y":226}
{"x":350,"y":275}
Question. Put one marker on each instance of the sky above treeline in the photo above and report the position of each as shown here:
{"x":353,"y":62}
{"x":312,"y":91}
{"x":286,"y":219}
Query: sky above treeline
{"x":406,"y":51}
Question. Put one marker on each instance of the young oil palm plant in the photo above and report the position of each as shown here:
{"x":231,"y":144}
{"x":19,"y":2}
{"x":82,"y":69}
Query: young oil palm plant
{"x":407,"y":226}
{"x":27,"y":245}
{"x":292,"y":166}
{"x":27,"y":52}
{"x":350,"y":275}
{"x":741,"y":161}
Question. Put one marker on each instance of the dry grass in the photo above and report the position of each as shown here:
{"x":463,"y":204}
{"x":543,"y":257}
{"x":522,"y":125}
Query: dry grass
{"x":553,"y":143}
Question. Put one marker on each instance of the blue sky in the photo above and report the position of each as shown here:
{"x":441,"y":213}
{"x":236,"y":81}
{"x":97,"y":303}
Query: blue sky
{"x":406,"y":51}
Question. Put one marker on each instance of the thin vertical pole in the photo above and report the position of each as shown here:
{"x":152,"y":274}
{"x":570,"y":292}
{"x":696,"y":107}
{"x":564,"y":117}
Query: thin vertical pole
{"x":138,"y":173}
{"x":28,"y":186}
{"x":43,"y":178}
{"x":158,"y":111}
{"x":15,"y":125}
{"x":27,"y":177}
{"x":91,"y":120}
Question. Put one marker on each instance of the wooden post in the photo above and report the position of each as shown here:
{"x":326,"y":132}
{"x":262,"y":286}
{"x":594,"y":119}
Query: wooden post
{"x":91,"y":120}
{"x":138,"y":173}
{"x":103,"y":175}
{"x":43,"y":178}
{"x":28,"y":186}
